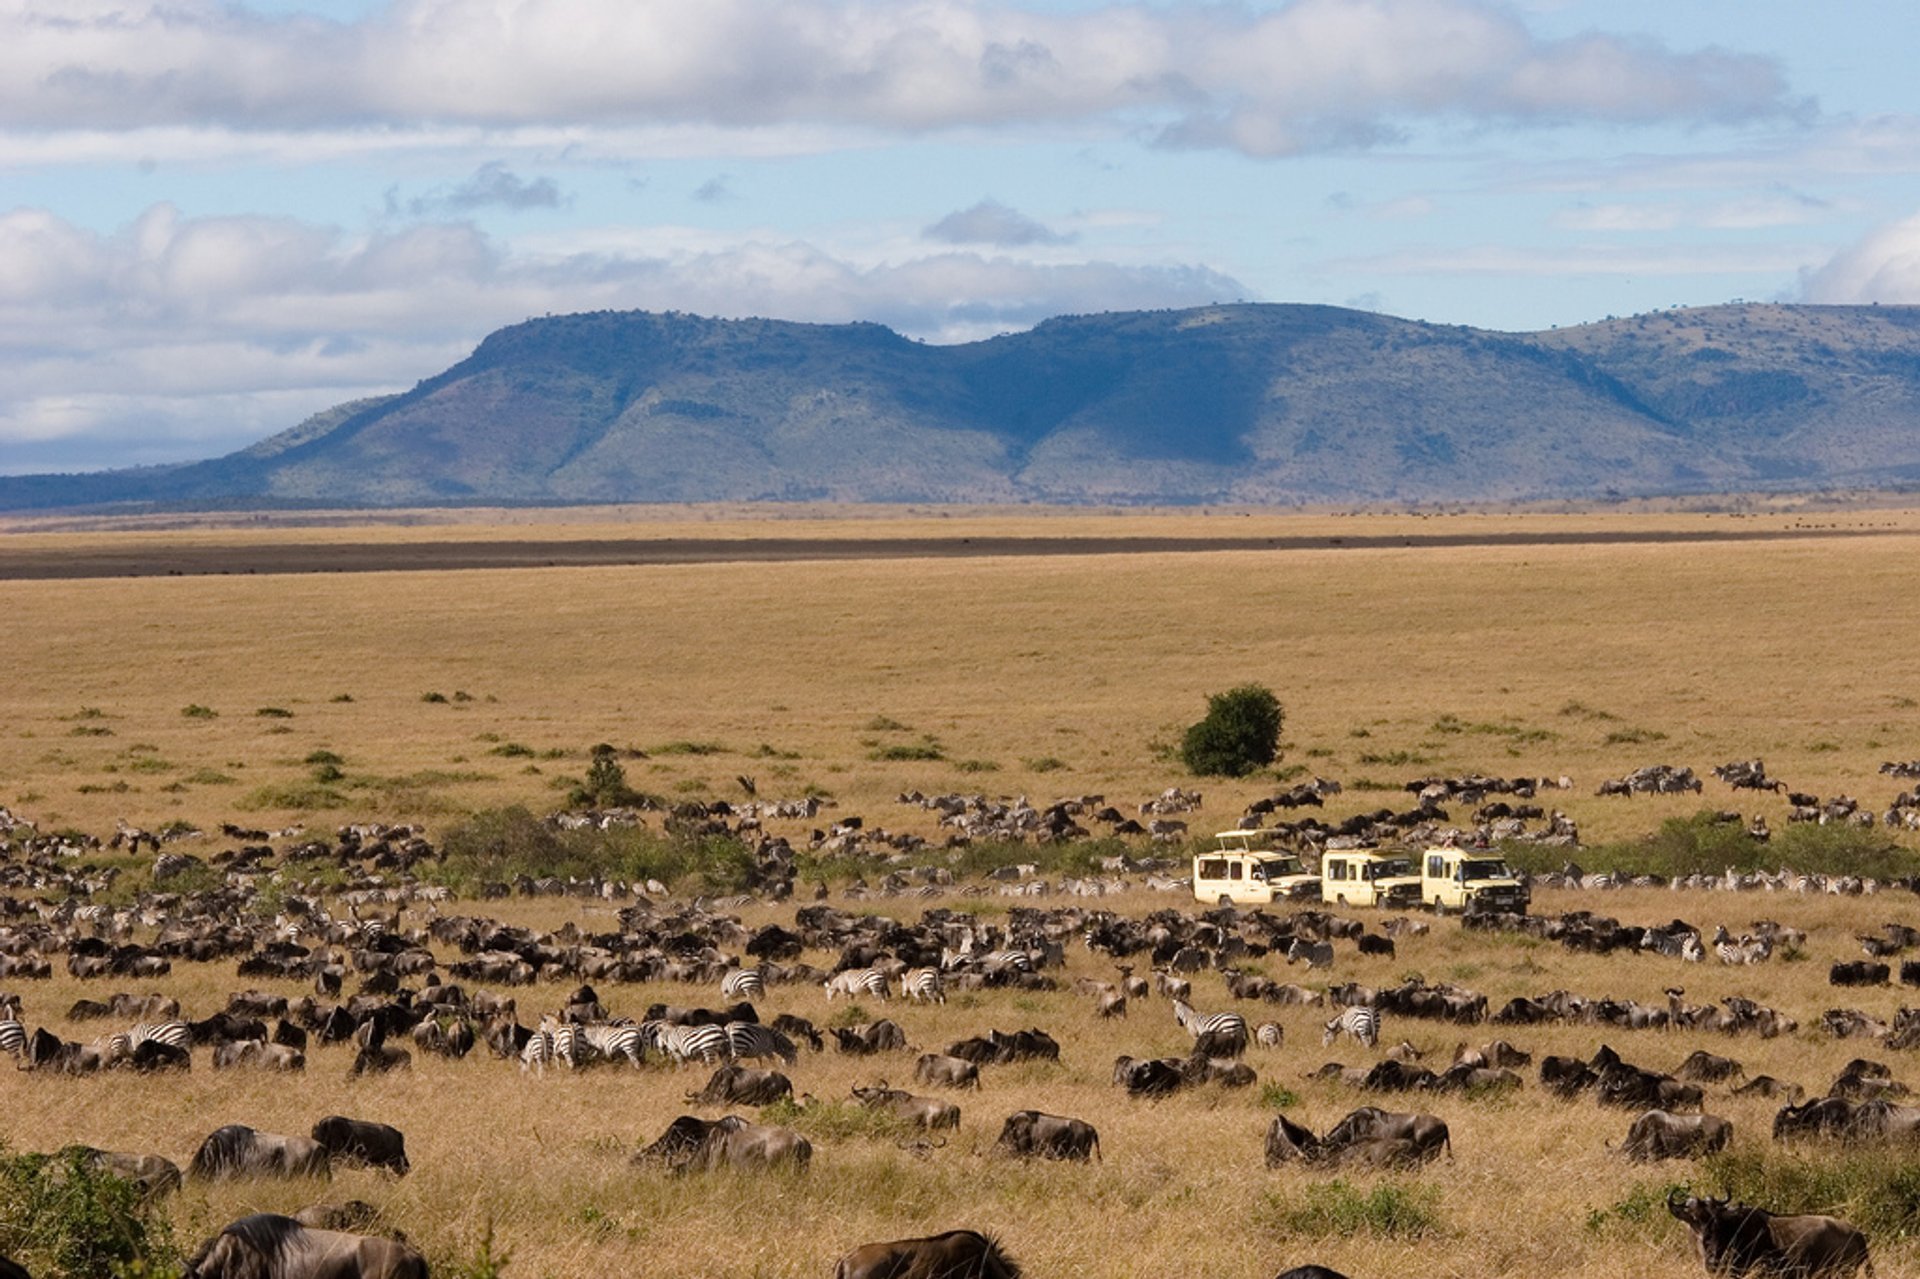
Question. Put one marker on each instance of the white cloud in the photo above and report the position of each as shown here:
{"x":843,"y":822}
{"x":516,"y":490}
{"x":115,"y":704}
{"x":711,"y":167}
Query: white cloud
{"x":991,"y":222}
{"x":1310,"y":75}
{"x":1884,"y":266}
{"x":180,"y":337}
{"x":1745,"y":214}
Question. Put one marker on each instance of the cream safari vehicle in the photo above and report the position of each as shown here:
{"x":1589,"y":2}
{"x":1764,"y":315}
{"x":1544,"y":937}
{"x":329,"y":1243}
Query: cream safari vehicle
{"x":1369,"y":877}
{"x":1470,"y":879}
{"x":1246,"y":875}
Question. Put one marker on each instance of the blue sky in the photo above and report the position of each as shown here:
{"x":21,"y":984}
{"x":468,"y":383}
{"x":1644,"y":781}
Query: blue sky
{"x":217,"y":218}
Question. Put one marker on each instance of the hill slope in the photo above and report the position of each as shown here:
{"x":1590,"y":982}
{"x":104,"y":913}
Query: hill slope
{"x":1258,"y":404}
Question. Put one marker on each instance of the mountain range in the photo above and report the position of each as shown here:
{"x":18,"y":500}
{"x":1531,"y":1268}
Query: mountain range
{"x":1253,"y":404}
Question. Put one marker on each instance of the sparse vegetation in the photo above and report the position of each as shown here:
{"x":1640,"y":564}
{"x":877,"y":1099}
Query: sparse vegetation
{"x":66,"y":1221}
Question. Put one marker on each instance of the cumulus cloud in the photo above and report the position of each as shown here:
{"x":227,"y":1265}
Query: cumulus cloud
{"x":224,"y":329}
{"x":492,"y":185}
{"x":1884,"y":266}
{"x":1310,"y":75}
{"x":991,"y":222}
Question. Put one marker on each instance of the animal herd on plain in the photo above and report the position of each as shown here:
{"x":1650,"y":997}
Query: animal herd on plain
{"x":431,"y":983}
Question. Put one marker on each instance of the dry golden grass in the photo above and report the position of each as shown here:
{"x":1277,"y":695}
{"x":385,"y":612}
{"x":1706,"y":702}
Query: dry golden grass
{"x":1793,"y":650}
{"x":545,"y":1160}
{"x":1580,"y":660}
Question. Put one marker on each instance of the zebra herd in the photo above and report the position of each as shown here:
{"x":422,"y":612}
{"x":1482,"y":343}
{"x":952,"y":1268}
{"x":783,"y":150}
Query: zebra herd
{"x":573,"y":1046}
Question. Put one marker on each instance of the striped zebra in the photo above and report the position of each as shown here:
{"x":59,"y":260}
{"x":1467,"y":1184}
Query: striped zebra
{"x":1360,"y":1022}
{"x":923,"y":986}
{"x":684,"y":1043}
{"x":854,"y":982}
{"x":537,"y":1052}
{"x":613,"y":1042}
{"x":747,"y":1040}
{"x":568,"y":1046}
{"x":13,"y":1038}
{"x":744,"y":983}
{"x":1268,"y":1034}
{"x":174,"y":1034}
{"x":1221,"y":1034}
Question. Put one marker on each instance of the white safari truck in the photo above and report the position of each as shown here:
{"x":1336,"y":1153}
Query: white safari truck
{"x":1246,"y":875}
{"x":1469,"y":879}
{"x":1369,"y":877}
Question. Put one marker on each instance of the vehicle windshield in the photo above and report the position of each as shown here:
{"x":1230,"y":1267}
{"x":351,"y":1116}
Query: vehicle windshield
{"x":1285,"y":866}
{"x":1490,"y":868}
{"x":1392,"y":869}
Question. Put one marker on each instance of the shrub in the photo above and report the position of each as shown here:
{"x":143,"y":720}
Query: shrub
{"x":1241,"y":733}
{"x":437,"y":699}
{"x":496,"y":845}
{"x":273,"y":712}
{"x":605,"y":785}
{"x":61,"y":1217}
{"x":1045,"y":764}
{"x":323,"y":757}
{"x":196,"y":711}
{"x":926,"y":750}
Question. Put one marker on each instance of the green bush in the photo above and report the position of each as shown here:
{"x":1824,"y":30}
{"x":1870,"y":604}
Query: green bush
{"x":605,"y":785}
{"x":1241,"y":733}
{"x":59,"y":1217}
{"x":1335,"y":1209}
{"x":927,"y":750}
{"x":196,"y":711}
{"x":496,"y":845}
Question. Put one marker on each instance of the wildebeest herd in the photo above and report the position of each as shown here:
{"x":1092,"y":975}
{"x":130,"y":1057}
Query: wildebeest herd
{"x":383,"y":977}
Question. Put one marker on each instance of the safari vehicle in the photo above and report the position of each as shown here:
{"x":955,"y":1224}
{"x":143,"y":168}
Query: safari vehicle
{"x":1470,"y":880}
{"x":1368,"y":877}
{"x":1239,"y":872}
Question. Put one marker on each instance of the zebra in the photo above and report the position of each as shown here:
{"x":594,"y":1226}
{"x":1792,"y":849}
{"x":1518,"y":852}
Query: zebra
{"x":857,"y":981}
{"x":566,"y":1045}
{"x":174,"y":1034}
{"x":1359,"y":1021}
{"x":744,"y":983}
{"x":612,"y":1041}
{"x":923,"y":986}
{"x":13,"y":1038}
{"x":538,"y":1051}
{"x":746,"y":1039}
{"x":1268,"y":1034}
{"x":1225,"y":1034}
{"x":683,"y":1043}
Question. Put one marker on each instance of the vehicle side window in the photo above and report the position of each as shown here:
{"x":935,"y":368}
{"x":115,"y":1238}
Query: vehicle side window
{"x":1436,"y":867}
{"x":1213,"y":868}
{"x":1236,"y":871}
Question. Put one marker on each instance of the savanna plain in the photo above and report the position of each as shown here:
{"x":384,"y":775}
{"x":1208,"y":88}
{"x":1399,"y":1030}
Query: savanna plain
{"x":314,"y":700}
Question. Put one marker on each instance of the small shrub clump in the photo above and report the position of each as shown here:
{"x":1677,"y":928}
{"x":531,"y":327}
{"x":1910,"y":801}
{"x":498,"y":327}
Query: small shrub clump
{"x":1240,"y":734}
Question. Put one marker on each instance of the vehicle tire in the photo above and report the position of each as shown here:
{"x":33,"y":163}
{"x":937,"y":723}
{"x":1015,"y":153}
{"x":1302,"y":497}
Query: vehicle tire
{"x":1340,"y":898}
{"x":1226,"y":899}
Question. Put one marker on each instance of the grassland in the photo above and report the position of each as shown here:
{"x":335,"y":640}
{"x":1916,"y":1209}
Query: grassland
{"x":424,"y":696}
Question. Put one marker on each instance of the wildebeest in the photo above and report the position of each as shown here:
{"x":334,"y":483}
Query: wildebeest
{"x":921,"y":1112}
{"x":1704,"y":1067}
{"x":1858,"y":973}
{"x":694,"y":1144}
{"x":269,"y":1246}
{"x":363,"y":1142}
{"x":1659,"y":1134}
{"x":877,"y":1037}
{"x":1309,"y":1272}
{"x":1736,"y":1239}
{"x":957,"y":1254}
{"x":1427,"y":1133}
{"x":10,"y":1269}
{"x":239,"y":1151}
{"x":1768,"y":1086}
{"x":949,"y":1072}
{"x":152,"y":1175}
{"x":1033,"y":1132}
{"x":744,"y":1086}
{"x":356,"y":1215}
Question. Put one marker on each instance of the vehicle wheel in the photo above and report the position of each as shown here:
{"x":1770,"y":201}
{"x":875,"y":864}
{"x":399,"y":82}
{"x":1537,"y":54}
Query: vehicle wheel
{"x":1225,"y":900}
{"x":1340,"y":898}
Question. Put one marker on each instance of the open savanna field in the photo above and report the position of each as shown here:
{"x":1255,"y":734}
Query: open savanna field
{"x":1478,"y":643}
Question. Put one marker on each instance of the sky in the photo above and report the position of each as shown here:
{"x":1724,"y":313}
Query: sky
{"x":220,"y":216}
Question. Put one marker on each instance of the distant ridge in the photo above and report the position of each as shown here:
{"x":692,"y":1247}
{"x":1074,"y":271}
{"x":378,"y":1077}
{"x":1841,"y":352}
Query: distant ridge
{"x":1252,"y":404}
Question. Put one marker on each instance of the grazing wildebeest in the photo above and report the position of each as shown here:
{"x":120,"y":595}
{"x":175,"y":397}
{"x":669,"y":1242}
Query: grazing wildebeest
{"x":1154,"y":1077}
{"x":239,"y":1151}
{"x":364,"y":1143}
{"x":1703,"y":1067}
{"x":12,"y":1270}
{"x":1736,"y":1239}
{"x":1768,"y":1086}
{"x":1287,"y":1141}
{"x":957,"y":1254}
{"x":1659,"y":1134}
{"x":743,"y":1086}
{"x":1033,"y":1132}
{"x":1309,"y":1272}
{"x":949,"y":1072}
{"x":878,"y":1037}
{"x":152,"y":1175}
{"x":921,"y":1112}
{"x":269,"y":1246}
{"x":1428,"y":1133}
{"x":691,"y":1143}
{"x":356,"y":1215}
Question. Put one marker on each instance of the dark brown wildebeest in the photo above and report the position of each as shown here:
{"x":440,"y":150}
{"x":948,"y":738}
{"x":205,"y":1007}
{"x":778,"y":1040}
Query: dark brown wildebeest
{"x":1768,"y":1086}
{"x":1287,"y":1141}
{"x":1033,"y":1132}
{"x":1428,"y":1133}
{"x":1153,"y":1077}
{"x":1659,"y":1134}
{"x":10,"y":1269}
{"x":1736,"y":1239}
{"x":1858,"y":973}
{"x":743,"y":1086}
{"x":879,"y":1037}
{"x":921,"y":1112}
{"x":240,"y":1151}
{"x":695,"y":1144}
{"x":949,"y":1072}
{"x":269,"y":1246}
{"x":360,"y":1142}
{"x":1309,"y":1272}
{"x":1704,"y":1067}
{"x":957,"y":1254}
{"x":355,"y":1215}
{"x":152,"y":1175}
